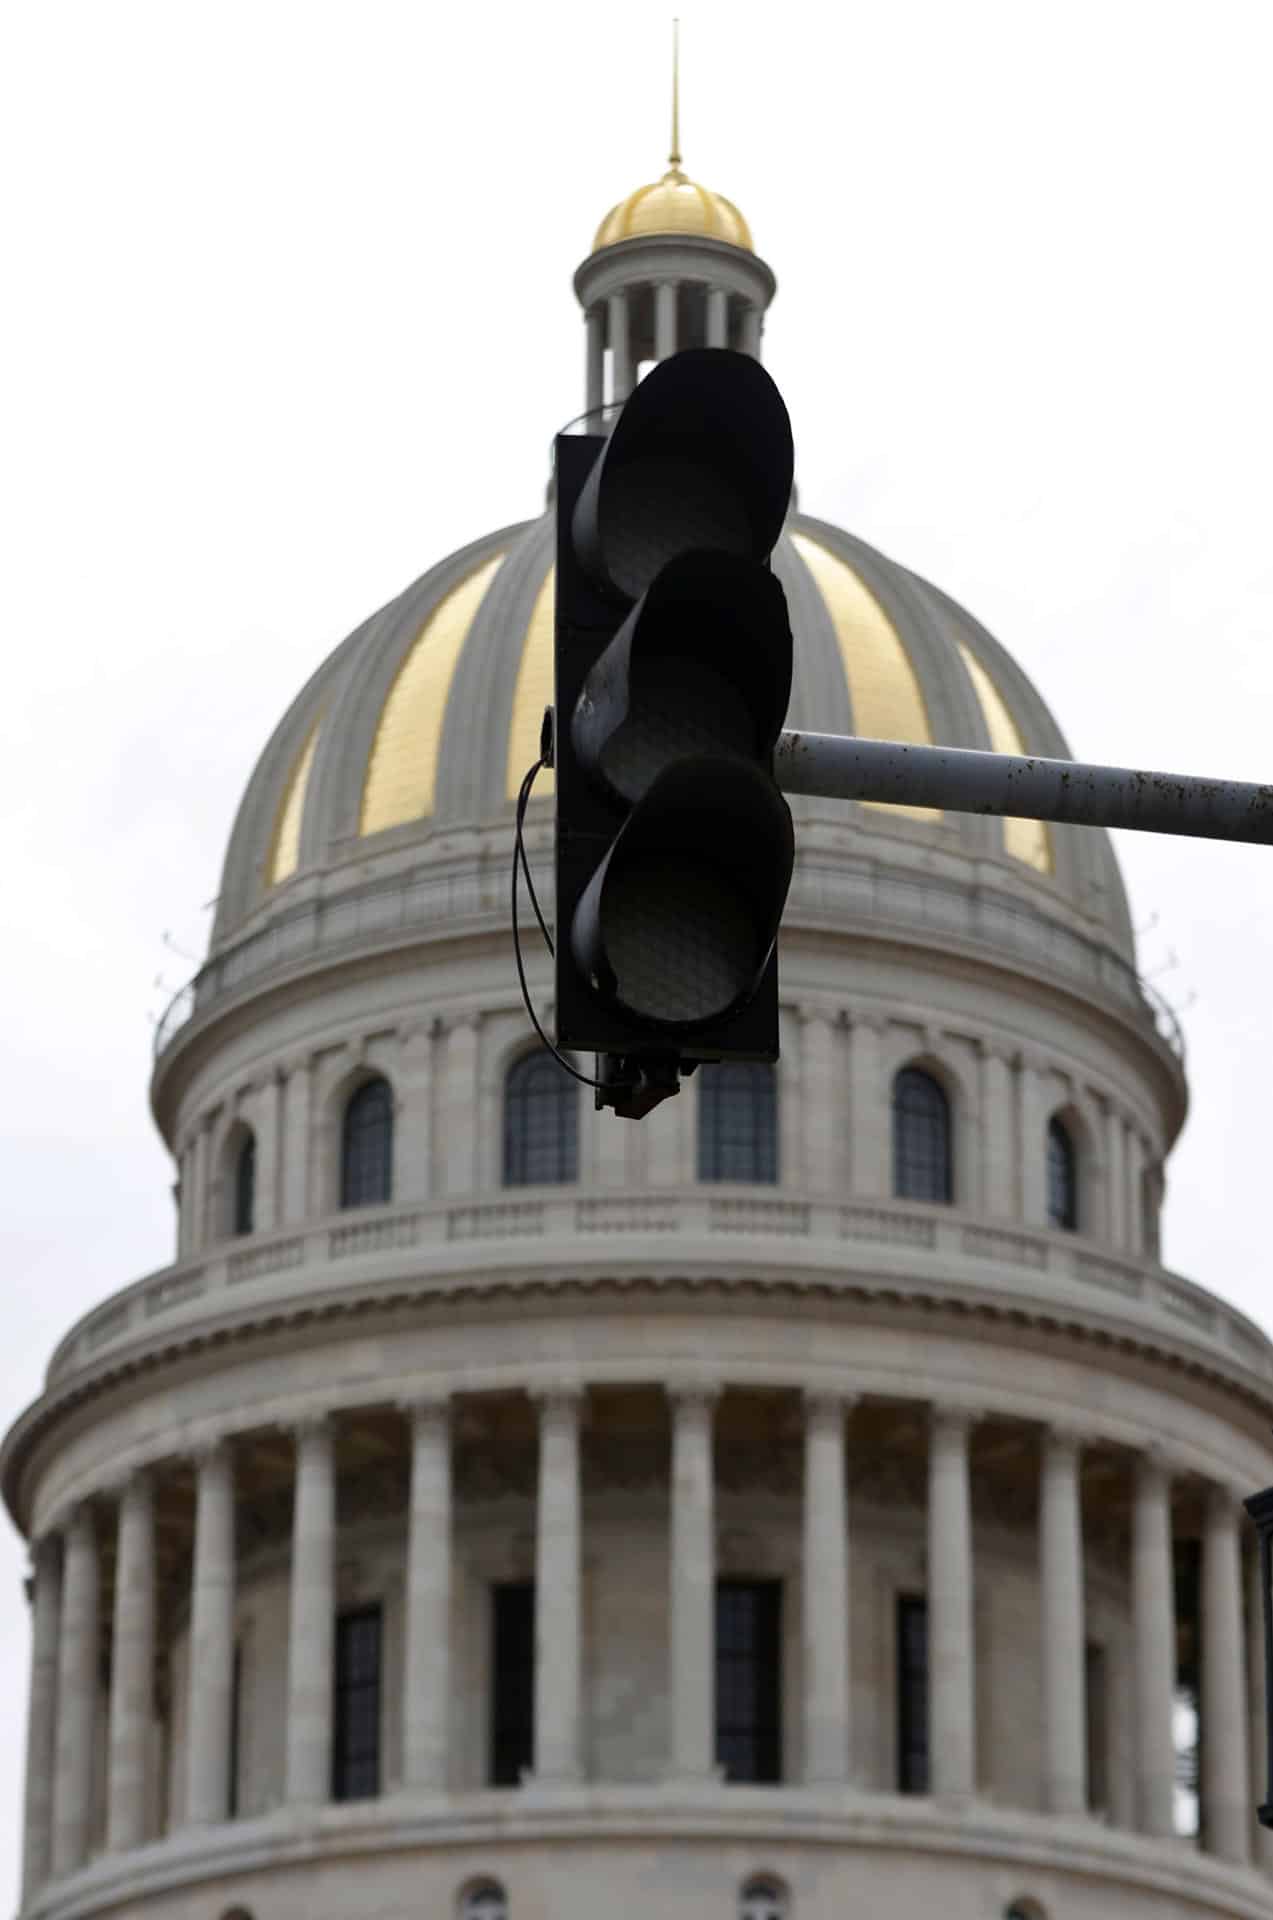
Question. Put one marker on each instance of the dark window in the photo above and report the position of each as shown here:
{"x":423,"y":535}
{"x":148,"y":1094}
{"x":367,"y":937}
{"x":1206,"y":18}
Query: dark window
{"x":1188,"y":1732}
{"x":912,"y":1693}
{"x":513,"y":1682}
{"x":921,"y":1138}
{"x":236,"y":1716}
{"x":748,"y":1679}
{"x":737,"y":1122}
{"x":1063,"y":1183}
{"x":486,"y":1902}
{"x":366,"y":1155}
{"x":762,"y":1900}
{"x":541,"y":1123}
{"x":1094,"y":1690}
{"x":356,"y":1732}
{"x":245,"y":1186}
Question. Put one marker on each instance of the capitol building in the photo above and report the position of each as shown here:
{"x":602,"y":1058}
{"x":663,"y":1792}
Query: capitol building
{"x":816,"y":1501}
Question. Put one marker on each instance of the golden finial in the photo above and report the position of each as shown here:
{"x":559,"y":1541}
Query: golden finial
{"x":675,"y":155}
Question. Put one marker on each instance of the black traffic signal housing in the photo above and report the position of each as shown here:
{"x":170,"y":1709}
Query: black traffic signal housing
{"x":674,"y":847}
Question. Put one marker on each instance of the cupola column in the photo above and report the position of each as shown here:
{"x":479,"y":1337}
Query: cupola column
{"x":665,"y":340}
{"x":1034,"y":1141}
{"x":46,"y":1618}
{"x":693,"y":1586}
{"x":1061,"y":1601}
{"x":297,"y":1142}
{"x":461,"y":1100}
{"x":76,"y":1695}
{"x":869,"y":1113}
{"x":827,"y":1735}
{"x":620,"y":351}
{"x":1153,"y":1631}
{"x":557,"y":1586}
{"x":1116,"y":1178}
{"x":132,"y":1665}
{"x":211,"y":1640}
{"x":752,"y":323}
{"x":313,"y":1599}
{"x":950,"y":1606}
{"x":1227,"y":1815}
{"x":594,"y":390}
{"x":717,"y":317}
{"x":822,"y":1095}
{"x":428,"y":1623}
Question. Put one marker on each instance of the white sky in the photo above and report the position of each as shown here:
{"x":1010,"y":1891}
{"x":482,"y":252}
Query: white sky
{"x":287,"y":317}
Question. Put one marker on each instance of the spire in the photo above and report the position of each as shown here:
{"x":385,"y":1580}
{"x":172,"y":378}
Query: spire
{"x":675,"y":156}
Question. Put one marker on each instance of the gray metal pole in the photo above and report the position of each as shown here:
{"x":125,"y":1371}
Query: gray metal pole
{"x":842,"y":767}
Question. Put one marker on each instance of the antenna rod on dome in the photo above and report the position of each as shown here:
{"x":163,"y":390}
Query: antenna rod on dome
{"x":675,"y":156}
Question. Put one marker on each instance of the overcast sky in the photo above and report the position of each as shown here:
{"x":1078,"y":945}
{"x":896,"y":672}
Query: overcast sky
{"x":288,"y":316}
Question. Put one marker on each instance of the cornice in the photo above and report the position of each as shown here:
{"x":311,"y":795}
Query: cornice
{"x":707,"y":1284}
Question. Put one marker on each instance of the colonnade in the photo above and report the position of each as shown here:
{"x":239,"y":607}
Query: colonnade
{"x":610,"y":324}
{"x":65,"y":1649}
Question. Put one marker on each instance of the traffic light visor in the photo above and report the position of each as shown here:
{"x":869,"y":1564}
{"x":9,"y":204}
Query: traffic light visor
{"x":701,"y":665}
{"x":677,"y":925}
{"x":701,"y":456}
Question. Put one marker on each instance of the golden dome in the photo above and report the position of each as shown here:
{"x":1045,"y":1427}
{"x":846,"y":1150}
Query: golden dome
{"x":674,"y":204}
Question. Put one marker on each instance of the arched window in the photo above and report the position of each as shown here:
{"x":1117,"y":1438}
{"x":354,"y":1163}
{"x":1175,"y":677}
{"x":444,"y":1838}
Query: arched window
{"x":1023,"y":1909}
{"x":1063,"y":1183}
{"x":245,"y":1185}
{"x":541,"y":1123}
{"x":366,"y":1146}
{"x":486,"y":1901}
{"x":921,"y":1138}
{"x":737,"y":1122}
{"x":762,"y":1899}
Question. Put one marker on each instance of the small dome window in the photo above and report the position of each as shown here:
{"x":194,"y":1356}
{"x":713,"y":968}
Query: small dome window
{"x":737,"y":1122}
{"x":1023,"y":1908}
{"x":1063,"y":1189}
{"x":245,"y":1185}
{"x":541,"y":1123}
{"x":486,"y":1901}
{"x":921,"y":1138}
{"x":366,"y":1146}
{"x":763,"y":1899}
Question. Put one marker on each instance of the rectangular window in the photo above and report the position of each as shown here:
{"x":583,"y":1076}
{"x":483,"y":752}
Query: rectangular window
{"x":748,"y":1679}
{"x":512,"y":1681}
{"x":1187,"y":1731}
{"x":912,"y":1693}
{"x":356,"y":1732}
{"x":1097,"y":1727}
{"x":236,"y":1710}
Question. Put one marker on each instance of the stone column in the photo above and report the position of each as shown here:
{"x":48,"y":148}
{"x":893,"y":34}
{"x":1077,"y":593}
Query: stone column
{"x":199,"y":1202}
{"x":313,"y":1598}
{"x":211,"y":1640}
{"x":620,"y":351}
{"x":297,"y":1142}
{"x":789,"y":1088}
{"x":823,"y":1105}
{"x":1153,"y":1634}
{"x":76,"y":1695}
{"x":692,"y":1665}
{"x":269,"y":1147}
{"x":594,"y":384}
{"x":184,"y":1190}
{"x":827,"y":1740}
{"x":1135,"y":1192}
{"x":1262,"y":1839}
{"x":460,"y":1100}
{"x":717,"y":317}
{"x":998,"y":1157}
{"x":558,"y":1747}
{"x":413,"y":1146}
{"x":665,"y":341}
{"x":753,"y":322}
{"x":870,"y":1121}
{"x":950,"y":1607}
{"x":46,"y":1620}
{"x":428,"y":1622}
{"x":1223,"y":1717}
{"x":1061,"y":1601}
{"x":132,"y":1666}
{"x":1033,"y":1136}
{"x":1116,"y":1179}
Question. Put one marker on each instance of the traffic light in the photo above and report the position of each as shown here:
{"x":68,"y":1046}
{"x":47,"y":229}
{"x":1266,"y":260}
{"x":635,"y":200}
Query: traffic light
{"x":673,"y":673}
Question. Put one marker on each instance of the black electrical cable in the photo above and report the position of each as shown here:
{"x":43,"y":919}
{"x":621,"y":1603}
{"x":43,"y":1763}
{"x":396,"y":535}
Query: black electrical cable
{"x":519,"y":854}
